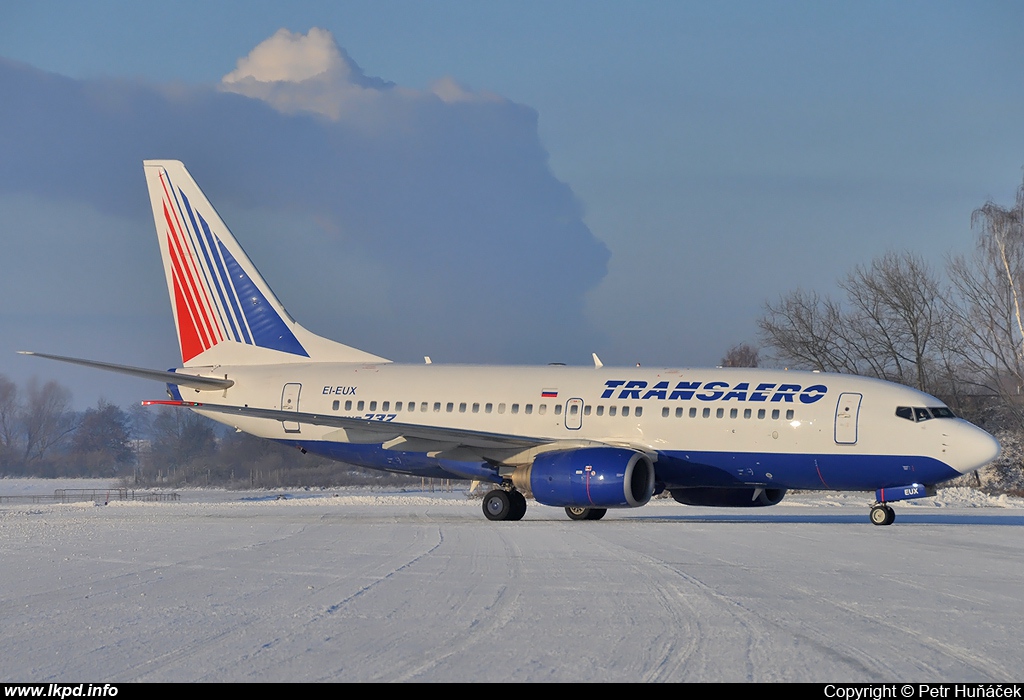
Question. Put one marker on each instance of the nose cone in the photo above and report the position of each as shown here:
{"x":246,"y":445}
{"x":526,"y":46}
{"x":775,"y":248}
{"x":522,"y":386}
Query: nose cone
{"x":971,"y":448}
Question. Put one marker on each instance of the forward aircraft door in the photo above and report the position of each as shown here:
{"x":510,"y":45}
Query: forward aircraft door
{"x":574,"y":414}
{"x":290,"y":402}
{"x":847,"y":412}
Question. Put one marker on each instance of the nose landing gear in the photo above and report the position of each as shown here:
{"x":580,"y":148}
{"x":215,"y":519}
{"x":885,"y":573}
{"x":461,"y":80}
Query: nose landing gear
{"x":881,"y":514}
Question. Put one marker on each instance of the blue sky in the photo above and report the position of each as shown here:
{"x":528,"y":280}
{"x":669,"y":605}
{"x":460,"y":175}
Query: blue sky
{"x":635,"y":179}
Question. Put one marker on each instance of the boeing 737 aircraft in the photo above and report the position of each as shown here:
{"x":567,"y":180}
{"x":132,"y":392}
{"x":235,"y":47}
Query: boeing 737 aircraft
{"x":582,"y":438}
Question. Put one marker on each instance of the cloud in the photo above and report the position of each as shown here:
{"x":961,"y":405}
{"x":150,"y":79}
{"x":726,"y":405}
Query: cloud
{"x":303,"y":72}
{"x":310,"y":73}
{"x":403,"y":222}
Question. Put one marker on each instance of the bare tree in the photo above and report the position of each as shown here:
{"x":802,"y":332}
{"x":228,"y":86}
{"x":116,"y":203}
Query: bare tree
{"x":990,"y":284}
{"x":101,"y":444}
{"x":897,"y":315}
{"x":47,"y":417}
{"x":742,"y":355}
{"x":805,"y":330}
{"x":891,"y":326}
{"x":10,"y":411}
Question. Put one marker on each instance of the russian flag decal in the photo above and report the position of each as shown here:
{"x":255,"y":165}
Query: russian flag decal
{"x":549,"y":394}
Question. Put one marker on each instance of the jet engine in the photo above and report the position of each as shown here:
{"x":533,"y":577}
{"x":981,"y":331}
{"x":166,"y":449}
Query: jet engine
{"x":591,"y":477}
{"x":753,"y":497}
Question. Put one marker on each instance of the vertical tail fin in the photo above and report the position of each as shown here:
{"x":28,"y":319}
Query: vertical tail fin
{"x":225,"y":312}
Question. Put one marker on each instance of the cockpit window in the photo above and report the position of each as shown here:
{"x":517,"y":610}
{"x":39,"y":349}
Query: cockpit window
{"x":918,"y":414}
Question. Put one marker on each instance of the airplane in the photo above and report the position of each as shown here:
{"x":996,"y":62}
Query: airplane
{"x":585,"y":438}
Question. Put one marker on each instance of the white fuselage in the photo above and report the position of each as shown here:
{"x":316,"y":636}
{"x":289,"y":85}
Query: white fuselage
{"x":705,"y":427}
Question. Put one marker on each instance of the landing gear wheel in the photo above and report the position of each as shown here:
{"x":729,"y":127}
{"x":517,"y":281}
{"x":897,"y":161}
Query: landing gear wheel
{"x":498,"y":505}
{"x":581,"y":513}
{"x":882,"y":514}
{"x":518,"y":502}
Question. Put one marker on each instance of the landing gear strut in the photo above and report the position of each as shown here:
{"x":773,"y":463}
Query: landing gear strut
{"x":881,"y":514}
{"x":504,"y":505}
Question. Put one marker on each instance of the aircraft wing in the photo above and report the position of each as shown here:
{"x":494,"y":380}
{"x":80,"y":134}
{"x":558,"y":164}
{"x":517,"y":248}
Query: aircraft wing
{"x":443,"y":443}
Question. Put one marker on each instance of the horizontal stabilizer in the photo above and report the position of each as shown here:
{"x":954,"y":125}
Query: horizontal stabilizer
{"x":168,"y":377}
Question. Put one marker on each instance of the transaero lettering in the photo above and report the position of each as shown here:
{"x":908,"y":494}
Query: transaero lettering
{"x":713,"y":391}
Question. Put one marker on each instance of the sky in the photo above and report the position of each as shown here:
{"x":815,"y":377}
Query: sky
{"x":500,"y":182}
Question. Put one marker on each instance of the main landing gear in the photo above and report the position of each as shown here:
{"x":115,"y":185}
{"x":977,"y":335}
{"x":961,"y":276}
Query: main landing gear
{"x":504,"y":505}
{"x":881,"y":514}
{"x":581,"y":513}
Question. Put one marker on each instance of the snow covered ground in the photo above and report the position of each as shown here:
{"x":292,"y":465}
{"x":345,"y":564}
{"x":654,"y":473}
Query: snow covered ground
{"x":385,"y":586}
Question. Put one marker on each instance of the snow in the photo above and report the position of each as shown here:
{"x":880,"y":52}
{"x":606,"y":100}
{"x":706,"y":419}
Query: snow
{"x":390,"y":586}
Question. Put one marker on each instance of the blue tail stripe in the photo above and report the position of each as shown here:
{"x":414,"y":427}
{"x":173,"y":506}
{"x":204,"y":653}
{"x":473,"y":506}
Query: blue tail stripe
{"x":268,"y":328}
{"x":225,"y":280}
{"x":205,"y":244}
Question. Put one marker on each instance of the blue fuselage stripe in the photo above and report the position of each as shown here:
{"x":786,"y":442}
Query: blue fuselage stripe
{"x":692,"y":469}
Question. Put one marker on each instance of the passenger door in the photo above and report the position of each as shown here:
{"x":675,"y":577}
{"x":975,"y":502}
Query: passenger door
{"x":847,"y":413}
{"x":290,"y":402}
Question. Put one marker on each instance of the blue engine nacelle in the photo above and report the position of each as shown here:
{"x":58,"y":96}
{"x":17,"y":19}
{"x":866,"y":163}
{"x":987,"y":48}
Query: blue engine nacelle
{"x":591,"y":477}
{"x":729,"y":498}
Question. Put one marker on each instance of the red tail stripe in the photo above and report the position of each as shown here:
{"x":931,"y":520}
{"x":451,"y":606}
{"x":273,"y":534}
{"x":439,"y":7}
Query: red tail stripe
{"x":201,"y":292}
{"x":181,"y":269}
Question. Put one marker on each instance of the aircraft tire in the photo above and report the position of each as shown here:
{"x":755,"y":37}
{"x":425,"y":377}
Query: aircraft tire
{"x":882,"y":515}
{"x":582,"y":513}
{"x":518,"y":505}
{"x":498,"y":505}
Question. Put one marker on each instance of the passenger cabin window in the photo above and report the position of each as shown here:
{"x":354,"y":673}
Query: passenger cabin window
{"x":348,"y":405}
{"x":558,"y":409}
{"x":336,"y":405}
